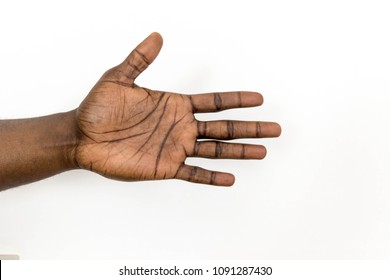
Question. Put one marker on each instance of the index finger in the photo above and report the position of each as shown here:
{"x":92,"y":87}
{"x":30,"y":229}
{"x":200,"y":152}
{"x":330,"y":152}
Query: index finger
{"x":218,"y":101}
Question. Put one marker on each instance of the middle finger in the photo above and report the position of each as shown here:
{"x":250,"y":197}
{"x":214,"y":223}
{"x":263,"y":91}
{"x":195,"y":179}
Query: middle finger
{"x":226,"y":130}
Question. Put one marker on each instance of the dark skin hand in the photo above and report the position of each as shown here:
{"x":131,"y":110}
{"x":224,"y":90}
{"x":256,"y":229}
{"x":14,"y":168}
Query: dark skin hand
{"x":127,"y":132}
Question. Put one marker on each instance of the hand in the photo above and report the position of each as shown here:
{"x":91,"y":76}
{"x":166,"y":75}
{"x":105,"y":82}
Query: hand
{"x":128,"y":132}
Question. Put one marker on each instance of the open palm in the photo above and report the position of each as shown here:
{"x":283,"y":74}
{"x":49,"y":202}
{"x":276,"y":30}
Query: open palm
{"x":132,"y":133}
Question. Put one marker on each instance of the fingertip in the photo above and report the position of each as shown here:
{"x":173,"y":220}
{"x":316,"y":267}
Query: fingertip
{"x":259,"y":98}
{"x":157,"y":37}
{"x":278,"y":129}
{"x":151,"y":46}
{"x":225,"y":180}
{"x":253,"y":152}
{"x":232,"y":180}
{"x":263,"y":152}
{"x":250,"y":98}
{"x":270,"y":129}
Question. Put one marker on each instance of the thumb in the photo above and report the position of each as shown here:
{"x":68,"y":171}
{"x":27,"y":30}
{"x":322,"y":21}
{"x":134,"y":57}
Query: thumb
{"x":141,"y":57}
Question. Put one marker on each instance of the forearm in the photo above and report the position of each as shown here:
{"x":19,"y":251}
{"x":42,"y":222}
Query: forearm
{"x":36,"y":148}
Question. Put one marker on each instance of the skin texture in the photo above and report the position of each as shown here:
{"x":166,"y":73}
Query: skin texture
{"x":126,"y":132}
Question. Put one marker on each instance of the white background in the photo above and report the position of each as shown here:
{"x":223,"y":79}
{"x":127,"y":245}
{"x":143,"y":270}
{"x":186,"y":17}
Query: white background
{"x":321,"y":193}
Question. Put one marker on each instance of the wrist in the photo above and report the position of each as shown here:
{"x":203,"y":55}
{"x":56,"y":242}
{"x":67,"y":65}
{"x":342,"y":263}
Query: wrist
{"x":70,"y":139}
